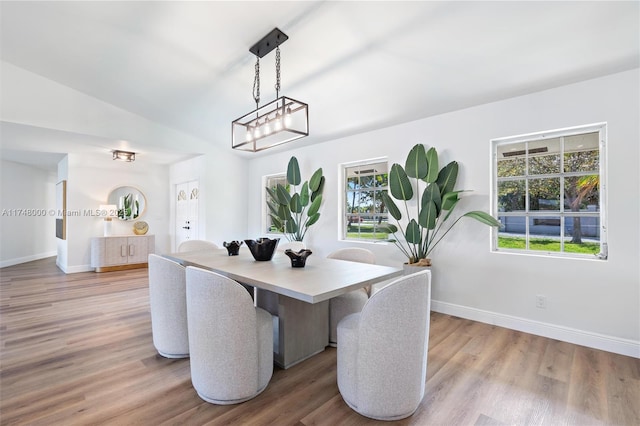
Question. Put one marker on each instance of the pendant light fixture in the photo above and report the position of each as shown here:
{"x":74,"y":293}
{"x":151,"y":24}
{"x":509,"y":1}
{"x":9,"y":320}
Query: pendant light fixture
{"x":280,"y":121}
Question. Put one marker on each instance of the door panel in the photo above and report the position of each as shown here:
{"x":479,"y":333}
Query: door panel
{"x":187,"y":197}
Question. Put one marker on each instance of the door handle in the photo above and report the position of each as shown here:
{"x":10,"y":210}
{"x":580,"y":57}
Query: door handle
{"x":185,"y":227}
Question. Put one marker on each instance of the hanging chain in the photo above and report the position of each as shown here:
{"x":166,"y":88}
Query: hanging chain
{"x":256,"y":83}
{"x":277,"y":72}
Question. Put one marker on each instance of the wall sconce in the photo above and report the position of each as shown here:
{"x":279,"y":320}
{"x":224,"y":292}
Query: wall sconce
{"x":124,"y":155}
{"x":107,"y":212}
{"x":280,"y":121}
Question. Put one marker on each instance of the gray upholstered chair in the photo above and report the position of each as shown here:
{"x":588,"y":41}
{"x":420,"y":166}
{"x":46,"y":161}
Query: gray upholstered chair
{"x":168,"y":302}
{"x":382,"y":356}
{"x":193,"y":245}
{"x":352,"y":302}
{"x":230,"y":340}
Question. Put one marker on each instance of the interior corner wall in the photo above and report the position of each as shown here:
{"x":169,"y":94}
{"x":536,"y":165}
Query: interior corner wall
{"x":90,"y":180}
{"x":590,"y":302}
{"x":27,"y":196}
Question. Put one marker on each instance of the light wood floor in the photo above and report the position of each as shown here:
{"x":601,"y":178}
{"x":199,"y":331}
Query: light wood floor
{"x":77,"y":349}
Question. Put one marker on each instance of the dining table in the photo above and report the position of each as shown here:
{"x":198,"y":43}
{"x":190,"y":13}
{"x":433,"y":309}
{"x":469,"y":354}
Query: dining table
{"x":297,"y":298}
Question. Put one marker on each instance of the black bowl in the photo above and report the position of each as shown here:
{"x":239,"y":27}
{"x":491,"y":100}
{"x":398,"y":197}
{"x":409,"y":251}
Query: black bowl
{"x":233,"y":247}
{"x":298,"y":259}
{"x":263,"y":248}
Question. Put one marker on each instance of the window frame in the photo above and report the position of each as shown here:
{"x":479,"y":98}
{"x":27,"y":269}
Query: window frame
{"x":342,"y":194}
{"x":601,"y":129}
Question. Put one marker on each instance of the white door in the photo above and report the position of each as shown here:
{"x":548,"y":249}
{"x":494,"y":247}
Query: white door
{"x":187,"y":197}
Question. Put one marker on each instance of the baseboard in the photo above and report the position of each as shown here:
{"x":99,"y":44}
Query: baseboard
{"x":74,"y":269}
{"x":79,"y":268}
{"x":19,"y":260}
{"x":566,"y":334}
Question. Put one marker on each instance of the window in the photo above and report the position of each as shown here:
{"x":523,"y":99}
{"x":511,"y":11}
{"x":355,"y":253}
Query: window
{"x":549,"y":192}
{"x":272,"y":182}
{"x":364,"y":211}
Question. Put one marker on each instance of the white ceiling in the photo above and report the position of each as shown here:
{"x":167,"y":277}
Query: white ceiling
{"x":359,"y":65}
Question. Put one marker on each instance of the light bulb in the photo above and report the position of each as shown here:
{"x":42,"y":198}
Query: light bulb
{"x":267,"y":127}
{"x":256,"y":131}
{"x":287,"y":117}
{"x":278,"y":125}
{"x":249,"y":134}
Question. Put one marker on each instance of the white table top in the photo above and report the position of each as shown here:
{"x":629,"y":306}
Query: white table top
{"x":321,"y":279}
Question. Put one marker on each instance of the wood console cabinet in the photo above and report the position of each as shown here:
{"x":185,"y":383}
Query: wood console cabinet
{"x":121,"y":252}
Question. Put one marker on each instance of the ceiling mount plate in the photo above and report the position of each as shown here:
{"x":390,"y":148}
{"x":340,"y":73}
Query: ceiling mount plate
{"x":268,"y":43}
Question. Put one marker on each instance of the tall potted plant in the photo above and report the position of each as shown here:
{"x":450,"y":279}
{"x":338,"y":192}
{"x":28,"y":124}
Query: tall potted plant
{"x":293,"y":213}
{"x":428,"y":225}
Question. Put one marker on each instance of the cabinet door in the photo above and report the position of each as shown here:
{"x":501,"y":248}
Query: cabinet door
{"x":116,"y":252}
{"x":137,"y":249}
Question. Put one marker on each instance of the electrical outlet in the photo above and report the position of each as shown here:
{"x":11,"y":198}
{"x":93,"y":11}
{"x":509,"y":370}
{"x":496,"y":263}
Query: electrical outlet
{"x":541,"y":301}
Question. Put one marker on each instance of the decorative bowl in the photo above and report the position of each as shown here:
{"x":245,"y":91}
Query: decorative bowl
{"x":233,"y":247}
{"x":298,"y":259}
{"x":263,"y":248}
{"x":140,"y":227}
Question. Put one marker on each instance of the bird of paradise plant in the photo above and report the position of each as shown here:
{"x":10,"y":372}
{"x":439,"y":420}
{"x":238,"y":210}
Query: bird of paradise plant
{"x":428,"y":226}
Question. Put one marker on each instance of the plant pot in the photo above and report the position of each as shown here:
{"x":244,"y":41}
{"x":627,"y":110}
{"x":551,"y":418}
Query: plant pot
{"x":263,"y":248}
{"x":412,"y":268}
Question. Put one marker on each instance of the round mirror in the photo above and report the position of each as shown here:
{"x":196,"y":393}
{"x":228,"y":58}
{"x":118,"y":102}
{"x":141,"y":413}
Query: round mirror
{"x":129,"y":201}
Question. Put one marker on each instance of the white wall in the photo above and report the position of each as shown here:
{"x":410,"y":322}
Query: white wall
{"x":223,"y":206}
{"x":590,"y":302}
{"x":26,"y":235}
{"x":90,"y":179}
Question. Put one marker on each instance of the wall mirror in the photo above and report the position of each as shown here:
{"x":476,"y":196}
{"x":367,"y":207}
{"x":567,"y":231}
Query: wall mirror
{"x":130,"y":202}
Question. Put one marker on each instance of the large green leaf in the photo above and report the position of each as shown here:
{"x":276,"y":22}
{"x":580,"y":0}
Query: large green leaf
{"x":432,"y":165}
{"x":276,"y":221}
{"x":450,"y":210}
{"x":283,"y":212}
{"x":428,"y":215}
{"x":450,"y":199}
{"x":447,"y":177}
{"x":412,"y":234}
{"x":316,"y":180}
{"x":399,"y":183}
{"x":283,"y":195}
{"x":273,"y":206}
{"x":315,"y":206}
{"x":389,"y":228}
{"x":313,"y":219}
{"x":416,"y":164}
{"x":291,"y":227}
{"x":483,"y":217}
{"x":318,"y":191}
{"x":295,"y":205}
{"x":431,"y":194}
{"x":272,"y":193}
{"x":394,"y":211}
{"x":304,"y":194}
{"x":293,"y":172}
